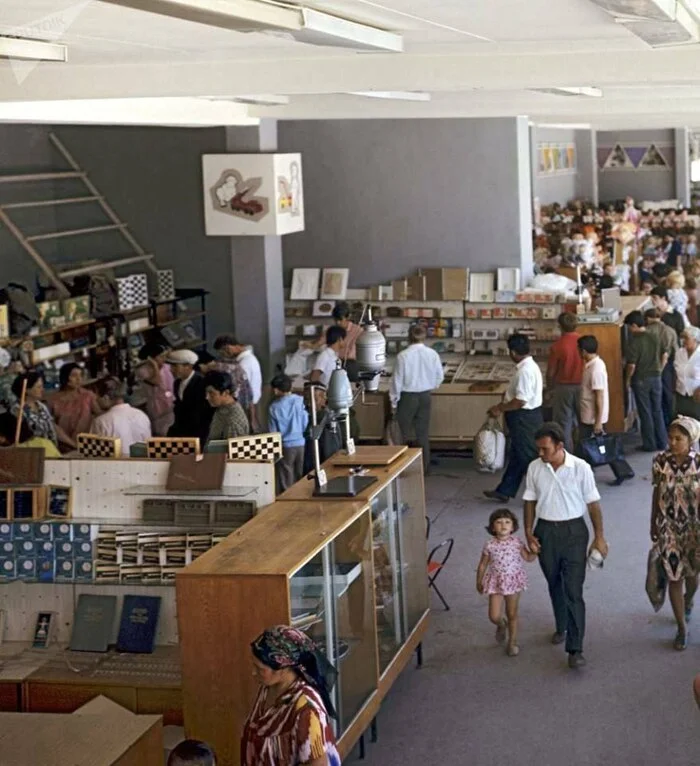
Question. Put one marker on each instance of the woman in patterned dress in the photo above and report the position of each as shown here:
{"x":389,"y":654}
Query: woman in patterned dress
{"x":35,"y":413}
{"x":289,"y":724}
{"x":675,"y":518}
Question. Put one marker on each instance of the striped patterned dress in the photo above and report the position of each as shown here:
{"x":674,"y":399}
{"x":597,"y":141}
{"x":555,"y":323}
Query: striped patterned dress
{"x":294,"y":730}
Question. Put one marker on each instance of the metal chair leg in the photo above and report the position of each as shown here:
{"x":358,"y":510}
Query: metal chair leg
{"x":362,"y":747}
{"x":373,"y":730}
{"x":419,"y":655}
{"x":440,"y":596}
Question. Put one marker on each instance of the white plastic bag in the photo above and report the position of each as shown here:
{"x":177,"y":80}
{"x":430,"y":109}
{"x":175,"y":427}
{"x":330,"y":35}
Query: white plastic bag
{"x":490,"y":447}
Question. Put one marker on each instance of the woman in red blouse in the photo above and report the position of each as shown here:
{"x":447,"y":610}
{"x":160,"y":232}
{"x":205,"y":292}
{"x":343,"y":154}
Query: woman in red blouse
{"x":73,"y":407}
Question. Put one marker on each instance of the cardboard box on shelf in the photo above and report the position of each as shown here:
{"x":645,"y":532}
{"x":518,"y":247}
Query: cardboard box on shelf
{"x":416,"y":288}
{"x":446,"y":284}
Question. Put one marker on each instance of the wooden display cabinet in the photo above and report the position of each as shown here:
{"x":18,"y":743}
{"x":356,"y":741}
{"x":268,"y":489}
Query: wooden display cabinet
{"x":350,"y":572}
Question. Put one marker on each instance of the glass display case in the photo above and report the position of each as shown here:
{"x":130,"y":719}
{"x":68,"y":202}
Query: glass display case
{"x":331,"y":600}
{"x":349,"y":572}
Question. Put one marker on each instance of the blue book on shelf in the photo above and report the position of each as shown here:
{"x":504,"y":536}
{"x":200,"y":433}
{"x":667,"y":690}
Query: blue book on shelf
{"x":94,"y":622}
{"x":138,"y":624}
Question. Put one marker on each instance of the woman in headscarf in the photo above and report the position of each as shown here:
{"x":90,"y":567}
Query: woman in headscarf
{"x":290,"y":720}
{"x":687,"y":367}
{"x":675,"y":518}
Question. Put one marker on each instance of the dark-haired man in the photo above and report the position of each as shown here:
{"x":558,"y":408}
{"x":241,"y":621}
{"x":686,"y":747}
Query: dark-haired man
{"x":327,"y":360}
{"x":595,"y":401}
{"x":523,"y":410}
{"x":668,"y":343}
{"x":558,"y":491}
{"x":643,"y":373}
{"x":564,"y":371}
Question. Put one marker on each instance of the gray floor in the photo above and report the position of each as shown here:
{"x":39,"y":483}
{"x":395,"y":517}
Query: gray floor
{"x":471,"y":704}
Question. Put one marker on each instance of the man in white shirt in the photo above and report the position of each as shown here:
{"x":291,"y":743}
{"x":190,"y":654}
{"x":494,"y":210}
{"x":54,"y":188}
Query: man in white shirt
{"x":559,"y":489}
{"x":121,"y":419}
{"x":327,"y":360}
{"x":418,"y":370}
{"x":687,"y":367}
{"x":594,"y":403}
{"x":523,"y":411}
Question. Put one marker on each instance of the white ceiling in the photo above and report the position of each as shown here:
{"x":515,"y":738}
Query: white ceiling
{"x":475,"y":58}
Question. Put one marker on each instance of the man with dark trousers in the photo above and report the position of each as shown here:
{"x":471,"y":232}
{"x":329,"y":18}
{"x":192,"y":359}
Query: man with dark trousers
{"x":559,"y":489}
{"x":193,"y":413}
{"x":523,"y":411}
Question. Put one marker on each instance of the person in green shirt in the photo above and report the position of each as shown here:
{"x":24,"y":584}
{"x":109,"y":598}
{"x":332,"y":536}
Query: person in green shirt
{"x":8,"y":427}
{"x":643,"y":374}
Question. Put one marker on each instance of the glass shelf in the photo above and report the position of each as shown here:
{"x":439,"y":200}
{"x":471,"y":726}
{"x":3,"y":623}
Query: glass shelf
{"x":150,"y":490}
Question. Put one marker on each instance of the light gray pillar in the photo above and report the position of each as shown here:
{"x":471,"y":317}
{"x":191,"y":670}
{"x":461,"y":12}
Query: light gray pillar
{"x":586,"y":166}
{"x":681,"y":139}
{"x":256,"y":265}
{"x":524,"y":170}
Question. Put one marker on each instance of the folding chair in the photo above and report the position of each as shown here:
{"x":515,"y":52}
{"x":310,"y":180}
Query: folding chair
{"x":436,"y":565}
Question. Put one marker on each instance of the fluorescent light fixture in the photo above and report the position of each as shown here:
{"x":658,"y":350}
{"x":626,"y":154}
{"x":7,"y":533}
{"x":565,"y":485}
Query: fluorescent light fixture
{"x":659,"y":23}
{"x":392,"y":95}
{"x":257,"y":100}
{"x":303,"y":24}
{"x":564,"y":125}
{"x":32,"y":50}
{"x":589,"y":92}
{"x":695,"y":171}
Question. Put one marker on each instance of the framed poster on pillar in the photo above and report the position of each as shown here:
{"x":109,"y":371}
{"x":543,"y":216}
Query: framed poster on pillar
{"x":252,"y":194}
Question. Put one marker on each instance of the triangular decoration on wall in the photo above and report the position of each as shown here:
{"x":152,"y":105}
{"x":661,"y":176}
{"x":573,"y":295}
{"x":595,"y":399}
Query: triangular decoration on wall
{"x":618,"y":159}
{"x":636,"y":153}
{"x":653,"y":159}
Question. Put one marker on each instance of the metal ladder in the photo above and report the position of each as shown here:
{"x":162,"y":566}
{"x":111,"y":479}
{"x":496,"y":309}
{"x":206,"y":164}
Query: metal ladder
{"x":55,"y":276}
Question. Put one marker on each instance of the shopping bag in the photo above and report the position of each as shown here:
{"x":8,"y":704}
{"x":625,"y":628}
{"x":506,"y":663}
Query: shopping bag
{"x":656,"y":579}
{"x":490,"y":447}
{"x":601,"y":449}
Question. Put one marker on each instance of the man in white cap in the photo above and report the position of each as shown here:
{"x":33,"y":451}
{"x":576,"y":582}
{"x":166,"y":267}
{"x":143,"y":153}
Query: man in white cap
{"x":193,"y":413}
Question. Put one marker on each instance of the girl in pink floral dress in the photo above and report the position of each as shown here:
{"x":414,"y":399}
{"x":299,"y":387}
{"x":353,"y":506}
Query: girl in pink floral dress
{"x":501,"y":574}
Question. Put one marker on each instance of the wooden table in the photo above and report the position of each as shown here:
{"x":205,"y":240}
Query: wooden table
{"x":370,"y":455}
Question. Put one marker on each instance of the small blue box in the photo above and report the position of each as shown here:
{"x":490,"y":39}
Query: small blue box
{"x":84,"y":570}
{"x":7,"y":568}
{"x":7,"y":549}
{"x":23,"y":530}
{"x":45,"y":568}
{"x":62,"y":531}
{"x":25,"y":548}
{"x":43,"y":531}
{"x":63,"y":548}
{"x":26,"y":568}
{"x":81,"y":532}
{"x":6,"y":531}
{"x":65,"y":569}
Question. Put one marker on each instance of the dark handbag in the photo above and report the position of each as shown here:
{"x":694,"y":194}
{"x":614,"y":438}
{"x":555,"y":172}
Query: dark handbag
{"x":656,"y":579}
{"x":602,"y":449}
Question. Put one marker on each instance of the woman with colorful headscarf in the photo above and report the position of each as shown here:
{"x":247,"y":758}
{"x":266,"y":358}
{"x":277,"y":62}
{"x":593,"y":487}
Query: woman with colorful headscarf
{"x":675,"y":518}
{"x":290,"y":720}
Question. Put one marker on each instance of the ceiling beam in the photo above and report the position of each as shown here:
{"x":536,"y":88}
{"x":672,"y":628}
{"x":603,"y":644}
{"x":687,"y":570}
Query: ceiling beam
{"x":333,"y":74}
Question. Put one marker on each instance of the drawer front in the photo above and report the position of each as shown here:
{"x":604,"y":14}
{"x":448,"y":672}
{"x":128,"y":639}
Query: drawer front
{"x":165,"y":702}
{"x":10,"y":698}
{"x":43,"y":697}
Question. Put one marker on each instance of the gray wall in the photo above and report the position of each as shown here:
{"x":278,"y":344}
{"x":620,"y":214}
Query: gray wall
{"x":385,"y":197}
{"x":152,"y":179}
{"x":563,"y":187}
{"x":641,"y":184}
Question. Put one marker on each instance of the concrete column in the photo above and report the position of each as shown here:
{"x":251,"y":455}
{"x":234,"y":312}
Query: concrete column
{"x":586,"y":166}
{"x":681,"y":139}
{"x":256,"y":265}
{"x":524,"y":171}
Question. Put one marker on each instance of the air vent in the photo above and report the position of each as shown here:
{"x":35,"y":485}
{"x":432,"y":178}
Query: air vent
{"x":659,"y":10}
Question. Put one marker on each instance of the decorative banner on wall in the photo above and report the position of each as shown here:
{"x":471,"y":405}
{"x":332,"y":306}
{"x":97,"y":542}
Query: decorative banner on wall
{"x":556,"y":159}
{"x":252,"y":194}
{"x":639,"y":157}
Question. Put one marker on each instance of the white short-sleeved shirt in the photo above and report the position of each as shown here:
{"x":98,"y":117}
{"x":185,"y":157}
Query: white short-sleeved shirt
{"x":326,"y":362}
{"x":687,"y":371}
{"x":561,"y":495}
{"x":526,"y":384}
{"x":595,"y":378}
